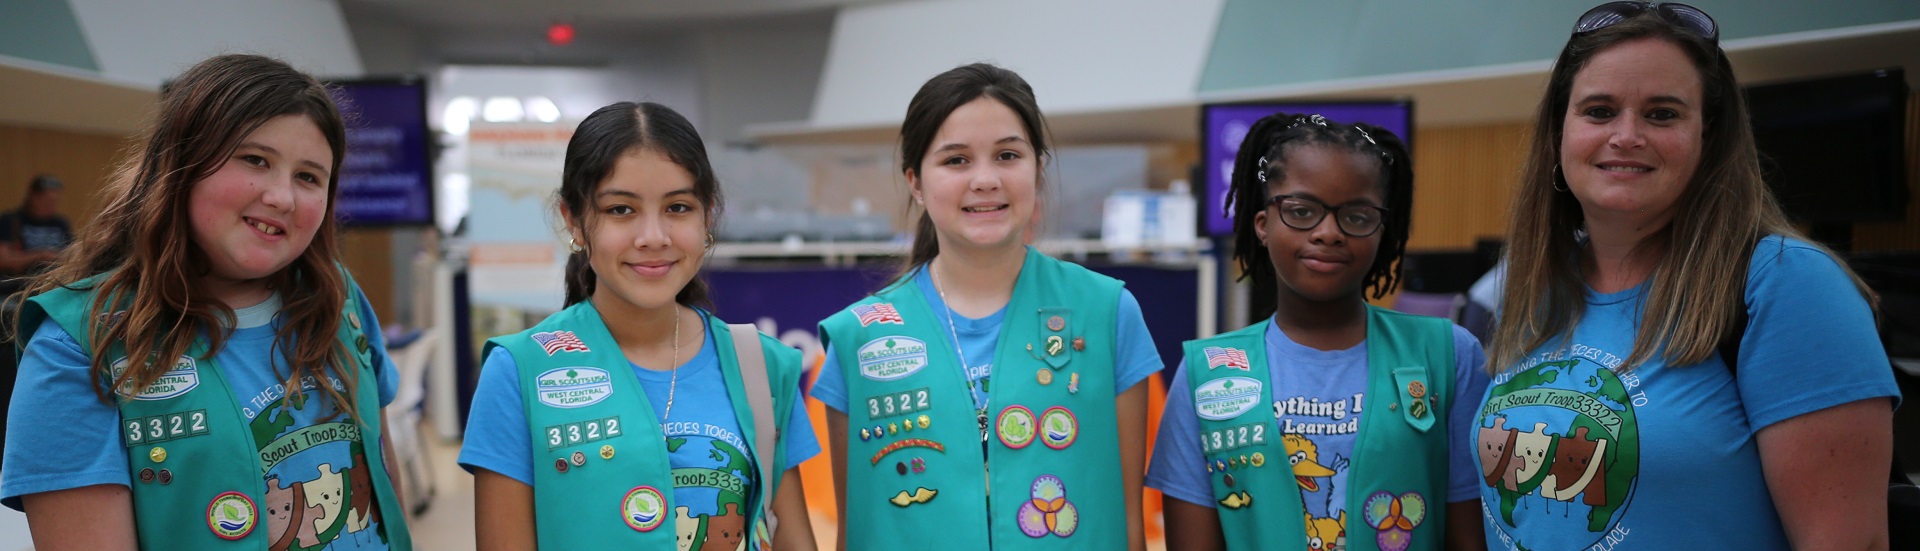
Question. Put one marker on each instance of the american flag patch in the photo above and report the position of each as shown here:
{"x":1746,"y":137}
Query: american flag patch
{"x":1227,"y":357}
{"x":877,"y":313}
{"x":559,"y":341}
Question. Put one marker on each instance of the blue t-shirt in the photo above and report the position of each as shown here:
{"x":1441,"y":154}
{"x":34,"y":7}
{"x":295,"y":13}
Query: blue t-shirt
{"x":1134,"y":358}
{"x":1318,"y":398}
{"x":703,"y":433}
{"x":1579,"y":452}
{"x":59,"y":436}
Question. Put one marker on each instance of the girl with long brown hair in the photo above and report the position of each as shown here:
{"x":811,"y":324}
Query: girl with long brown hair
{"x":198,"y":371}
{"x":985,"y":343}
{"x":634,"y":418}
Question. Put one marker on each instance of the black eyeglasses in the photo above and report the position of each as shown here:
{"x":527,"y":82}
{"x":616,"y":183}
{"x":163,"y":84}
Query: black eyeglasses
{"x":1687,"y":17}
{"x":1301,"y":213}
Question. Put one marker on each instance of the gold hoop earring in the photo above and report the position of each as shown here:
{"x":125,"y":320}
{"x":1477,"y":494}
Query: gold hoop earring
{"x":709,"y":240}
{"x":1559,"y":181}
{"x":573,"y":247}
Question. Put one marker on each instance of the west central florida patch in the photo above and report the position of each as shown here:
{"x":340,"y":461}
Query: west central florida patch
{"x":183,"y":377}
{"x":574,"y":387}
{"x":1226,"y":397}
{"x":892,"y":358}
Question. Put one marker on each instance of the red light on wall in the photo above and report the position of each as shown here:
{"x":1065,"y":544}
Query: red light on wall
{"x":560,"y":34}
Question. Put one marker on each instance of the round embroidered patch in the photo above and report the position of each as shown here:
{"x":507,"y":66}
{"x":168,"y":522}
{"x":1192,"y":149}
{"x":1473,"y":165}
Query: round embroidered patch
{"x":643,"y":508}
{"x":1058,"y":428}
{"x":231,"y":515}
{"x":1015,"y":426}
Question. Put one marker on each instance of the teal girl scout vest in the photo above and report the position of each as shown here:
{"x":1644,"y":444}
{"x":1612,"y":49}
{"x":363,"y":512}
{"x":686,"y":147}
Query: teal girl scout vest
{"x":601,"y":478}
{"x":1397,"y":490}
{"x":196,"y":472}
{"x":915,"y":475}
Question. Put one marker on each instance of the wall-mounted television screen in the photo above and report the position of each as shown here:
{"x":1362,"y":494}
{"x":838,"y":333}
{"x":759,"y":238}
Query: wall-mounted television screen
{"x":1833,"y":149}
{"x":387,"y":176}
{"x":1223,"y":126}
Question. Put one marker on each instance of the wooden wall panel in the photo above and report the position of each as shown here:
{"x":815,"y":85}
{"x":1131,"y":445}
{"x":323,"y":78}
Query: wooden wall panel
{"x":82,"y":161}
{"x":1463,"y":180}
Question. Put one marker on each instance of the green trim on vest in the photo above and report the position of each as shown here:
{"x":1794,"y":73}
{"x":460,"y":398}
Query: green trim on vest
{"x":586,"y":399}
{"x":209,"y":447}
{"x":901,"y":373}
{"x":1401,"y":451}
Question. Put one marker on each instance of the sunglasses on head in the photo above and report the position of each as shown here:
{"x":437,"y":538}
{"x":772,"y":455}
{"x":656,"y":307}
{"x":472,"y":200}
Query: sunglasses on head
{"x":1686,"y":17}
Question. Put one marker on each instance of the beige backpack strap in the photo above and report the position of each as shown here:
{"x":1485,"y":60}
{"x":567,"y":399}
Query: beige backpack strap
{"x":766,"y":434}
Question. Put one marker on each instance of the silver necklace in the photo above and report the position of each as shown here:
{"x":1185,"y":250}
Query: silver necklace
{"x":979,"y":409}
{"x":674,"y":382}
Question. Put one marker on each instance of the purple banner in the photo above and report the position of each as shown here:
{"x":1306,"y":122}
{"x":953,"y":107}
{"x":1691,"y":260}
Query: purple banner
{"x":387,"y":176}
{"x":1226,"y":125}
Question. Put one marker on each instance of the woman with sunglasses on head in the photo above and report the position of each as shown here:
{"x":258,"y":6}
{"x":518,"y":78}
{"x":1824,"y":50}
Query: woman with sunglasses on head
{"x":1334,"y":424}
{"x":1657,"y":383}
{"x":927,"y":455}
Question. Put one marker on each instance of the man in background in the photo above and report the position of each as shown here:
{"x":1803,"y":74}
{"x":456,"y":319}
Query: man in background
{"x":30,"y":239}
{"x":33,"y":236}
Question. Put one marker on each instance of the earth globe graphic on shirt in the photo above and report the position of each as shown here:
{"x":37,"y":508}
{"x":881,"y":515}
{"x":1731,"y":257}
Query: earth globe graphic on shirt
{"x":710,"y":498}
{"x":1560,"y":442}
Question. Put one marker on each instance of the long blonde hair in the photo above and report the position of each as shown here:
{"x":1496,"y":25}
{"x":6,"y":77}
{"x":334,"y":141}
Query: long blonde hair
{"x":1700,"y":277}
{"x":142,"y":241}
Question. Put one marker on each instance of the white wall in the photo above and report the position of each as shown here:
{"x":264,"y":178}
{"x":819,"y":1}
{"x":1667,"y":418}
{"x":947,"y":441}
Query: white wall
{"x":1079,"y":55}
{"x":760,"y":73}
{"x":150,"y":41}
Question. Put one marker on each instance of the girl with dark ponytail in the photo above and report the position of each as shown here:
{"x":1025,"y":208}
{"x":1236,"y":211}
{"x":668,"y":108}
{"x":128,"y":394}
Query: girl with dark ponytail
{"x":574,"y":436}
{"x":1320,"y":216}
{"x":1061,"y":431}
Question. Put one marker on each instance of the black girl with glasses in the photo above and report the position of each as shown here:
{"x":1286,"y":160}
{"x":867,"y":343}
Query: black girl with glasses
{"x":1344,"y":422}
{"x":1675,"y":366}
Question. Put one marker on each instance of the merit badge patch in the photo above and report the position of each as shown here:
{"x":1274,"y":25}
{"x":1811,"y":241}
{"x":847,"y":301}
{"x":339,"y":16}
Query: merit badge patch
{"x":1233,"y":358}
{"x":574,"y":387}
{"x":182,"y":378}
{"x":883,"y":312}
{"x":892,"y":358}
{"x":643,"y":508}
{"x":1016,"y":426}
{"x":231,"y":515}
{"x":1226,"y":398}
{"x":1395,"y":517}
{"x":555,"y":342}
{"x":1049,"y":512}
{"x":1058,"y":428}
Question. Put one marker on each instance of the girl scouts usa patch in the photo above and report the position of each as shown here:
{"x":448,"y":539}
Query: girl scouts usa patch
{"x":1226,"y":397}
{"x":231,"y":516}
{"x":892,"y":358}
{"x":574,"y":387}
{"x":182,"y":378}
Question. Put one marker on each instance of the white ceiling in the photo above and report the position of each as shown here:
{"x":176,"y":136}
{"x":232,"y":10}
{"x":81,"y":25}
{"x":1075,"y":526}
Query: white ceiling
{"x":537,"y":14}
{"x":1472,"y":96}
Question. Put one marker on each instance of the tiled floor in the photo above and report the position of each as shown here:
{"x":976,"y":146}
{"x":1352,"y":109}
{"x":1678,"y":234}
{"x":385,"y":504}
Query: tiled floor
{"x":447,"y":524}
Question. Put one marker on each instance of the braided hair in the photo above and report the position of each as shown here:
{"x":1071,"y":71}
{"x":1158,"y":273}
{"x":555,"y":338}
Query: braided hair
{"x":1262,"y":162}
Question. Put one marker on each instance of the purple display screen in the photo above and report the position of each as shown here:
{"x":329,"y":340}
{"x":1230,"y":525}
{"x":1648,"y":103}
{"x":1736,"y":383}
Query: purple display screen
{"x":387,"y":176}
{"x":1224,"y":126}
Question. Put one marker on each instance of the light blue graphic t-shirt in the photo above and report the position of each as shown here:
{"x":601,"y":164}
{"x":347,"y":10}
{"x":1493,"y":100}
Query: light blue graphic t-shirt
{"x":1318,"y":397}
{"x":1134,"y":356}
{"x":319,"y":492}
{"x":712,"y":472}
{"x":1578,"y":451}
